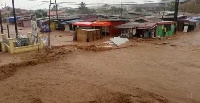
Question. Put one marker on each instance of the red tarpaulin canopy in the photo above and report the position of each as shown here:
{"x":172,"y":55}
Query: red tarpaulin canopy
{"x":101,"y":23}
{"x":83,"y":23}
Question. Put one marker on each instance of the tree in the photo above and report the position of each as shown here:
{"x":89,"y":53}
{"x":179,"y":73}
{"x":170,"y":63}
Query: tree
{"x":138,"y":9}
{"x":70,"y":11}
{"x":40,"y":13}
{"x":171,"y":7}
{"x":54,"y":7}
{"x":83,"y":9}
{"x":191,"y":7}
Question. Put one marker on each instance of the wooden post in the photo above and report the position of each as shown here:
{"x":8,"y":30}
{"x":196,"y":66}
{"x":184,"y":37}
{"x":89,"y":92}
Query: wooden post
{"x":41,"y":44}
{"x":8,"y":31}
{"x":105,"y":31}
{"x":2,"y":44}
{"x":176,"y":10}
{"x":30,"y":38}
{"x":11,"y":44}
{"x":49,"y":40}
{"x":15,"y":20}
{"x":1,"y":23}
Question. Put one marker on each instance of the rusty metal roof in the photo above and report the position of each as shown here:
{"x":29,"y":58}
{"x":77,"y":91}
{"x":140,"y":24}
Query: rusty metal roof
{"x":146,"y":26}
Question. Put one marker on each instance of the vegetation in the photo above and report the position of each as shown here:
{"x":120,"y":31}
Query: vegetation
{"x":54,"y":7}
{"x":116,"y":9}
{"x":84,"y":9}
{"x":138,"y":9}
{"x":70,"y":11}
{"x":40,"y":13}
{"x":171,"y":7}
{"x":191,"y":7}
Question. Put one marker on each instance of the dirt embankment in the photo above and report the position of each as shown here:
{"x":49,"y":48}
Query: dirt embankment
{"x":34,"y":59}
{"x":139,"y":96}
{"x":46,"y":56}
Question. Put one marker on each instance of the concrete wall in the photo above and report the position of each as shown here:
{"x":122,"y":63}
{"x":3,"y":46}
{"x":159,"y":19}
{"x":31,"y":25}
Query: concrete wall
{"x":13,"y":50}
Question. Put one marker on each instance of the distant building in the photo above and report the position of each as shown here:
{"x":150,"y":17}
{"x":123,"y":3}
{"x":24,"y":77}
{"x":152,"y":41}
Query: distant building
{"x":24,"y":21}
{"x":152,"y":7}
{"x":8,"y":11}
{"x":61,"y":14}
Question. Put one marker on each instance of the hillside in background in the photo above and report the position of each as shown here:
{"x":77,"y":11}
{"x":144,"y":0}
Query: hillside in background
{"x":191,"y":7}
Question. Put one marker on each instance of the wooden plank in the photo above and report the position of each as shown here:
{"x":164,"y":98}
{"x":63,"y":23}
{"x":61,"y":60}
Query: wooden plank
{"x":90,"y":35}
{"x":81,"y":36}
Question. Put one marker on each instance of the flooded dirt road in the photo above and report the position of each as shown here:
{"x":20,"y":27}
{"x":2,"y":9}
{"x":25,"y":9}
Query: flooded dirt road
{"x":159,"y":71}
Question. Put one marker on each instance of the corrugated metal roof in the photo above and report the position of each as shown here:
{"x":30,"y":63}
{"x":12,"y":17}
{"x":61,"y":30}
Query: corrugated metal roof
{"x":128,"y":25}
{"x":125,"y":20}
{"x":137,"y":25}
{"x":166,"y":22}
{"x":146,"y":25}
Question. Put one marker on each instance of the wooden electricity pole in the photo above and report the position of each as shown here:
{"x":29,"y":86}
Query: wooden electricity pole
{"x":56,"y":10}
{"x":121,"y":9}
{"x":176,"y":10}
{"x":1,"y":23}
{"x":49,"y":43}
{"x":15,"y":20}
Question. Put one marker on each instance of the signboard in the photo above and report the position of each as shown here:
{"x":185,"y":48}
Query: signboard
{"x":185,"y":29}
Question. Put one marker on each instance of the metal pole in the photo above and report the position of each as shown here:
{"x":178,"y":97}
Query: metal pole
{"x":49,"y":43}
{"x":16,"y":30}
{"x":1,"y":23}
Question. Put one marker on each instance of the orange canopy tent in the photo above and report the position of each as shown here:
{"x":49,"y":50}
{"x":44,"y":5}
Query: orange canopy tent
{"x":101,"y":23}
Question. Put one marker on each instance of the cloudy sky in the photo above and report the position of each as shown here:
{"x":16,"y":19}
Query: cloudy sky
{"x":38,"y":4}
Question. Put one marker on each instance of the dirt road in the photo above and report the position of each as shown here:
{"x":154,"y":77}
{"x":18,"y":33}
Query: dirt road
{"x":160,"y":71}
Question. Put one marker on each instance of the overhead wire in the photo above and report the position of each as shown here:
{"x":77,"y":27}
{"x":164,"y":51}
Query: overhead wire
{"x":37,"y":5}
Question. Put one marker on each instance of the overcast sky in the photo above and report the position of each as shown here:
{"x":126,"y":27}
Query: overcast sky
{"x":38,"y":4}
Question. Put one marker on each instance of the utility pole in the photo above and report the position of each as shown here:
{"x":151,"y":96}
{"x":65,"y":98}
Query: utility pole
{"x":16,"y":30}
{"x":176,"y":10}
{"x":8,"y":31}
{"x":121,"y":8}
{"x":56,"y":10}
{"x":49,"y":43}
{"x":1,"y":23}
{"x":163,"y":14}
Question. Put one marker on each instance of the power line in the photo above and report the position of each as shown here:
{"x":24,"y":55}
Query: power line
{"x":37,"y":6}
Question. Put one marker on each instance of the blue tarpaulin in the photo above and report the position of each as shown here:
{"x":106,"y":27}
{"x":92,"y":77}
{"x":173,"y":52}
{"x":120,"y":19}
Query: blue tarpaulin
{"x":63,"y":23}
{"x":11,"y":19}
{"x":73,"y":21}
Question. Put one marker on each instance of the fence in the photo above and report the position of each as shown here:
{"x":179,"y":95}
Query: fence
{"x":8,"y":45}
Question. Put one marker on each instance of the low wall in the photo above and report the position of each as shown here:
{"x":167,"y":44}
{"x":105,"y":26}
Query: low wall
{"x":9,"y":47}
{"x":26,"y":48}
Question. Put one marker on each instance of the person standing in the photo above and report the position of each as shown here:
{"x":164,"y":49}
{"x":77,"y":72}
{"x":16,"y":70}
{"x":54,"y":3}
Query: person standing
{"x":34,"y":29}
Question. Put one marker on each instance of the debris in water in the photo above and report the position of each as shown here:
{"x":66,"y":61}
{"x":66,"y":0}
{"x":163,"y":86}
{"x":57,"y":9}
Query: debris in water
{"x":119,"y":41}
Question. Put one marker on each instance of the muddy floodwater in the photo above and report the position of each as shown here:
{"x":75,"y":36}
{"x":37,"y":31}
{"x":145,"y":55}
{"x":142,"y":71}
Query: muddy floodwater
{"x":141,"y":71}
